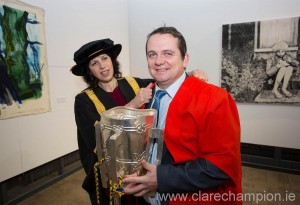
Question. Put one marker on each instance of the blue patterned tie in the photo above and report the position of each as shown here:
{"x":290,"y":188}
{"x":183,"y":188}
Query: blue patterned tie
{"x":153,"y":147}
{"x":158,"y":96}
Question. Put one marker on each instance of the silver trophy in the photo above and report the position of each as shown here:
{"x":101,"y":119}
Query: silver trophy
{"x":123,"y":136}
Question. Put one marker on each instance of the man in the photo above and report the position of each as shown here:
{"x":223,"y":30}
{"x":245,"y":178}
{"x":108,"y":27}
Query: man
{"x":201,"y":157}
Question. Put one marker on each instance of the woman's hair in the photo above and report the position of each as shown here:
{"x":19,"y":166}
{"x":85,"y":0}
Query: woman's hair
{"x":174,"y":32}
{"x":91,"y":80}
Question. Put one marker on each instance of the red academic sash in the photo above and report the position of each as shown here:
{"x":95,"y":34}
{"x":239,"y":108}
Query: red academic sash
{"x":203,"y":122}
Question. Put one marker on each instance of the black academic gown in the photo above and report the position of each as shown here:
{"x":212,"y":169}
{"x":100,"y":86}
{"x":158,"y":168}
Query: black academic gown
{"x":86,"y":115}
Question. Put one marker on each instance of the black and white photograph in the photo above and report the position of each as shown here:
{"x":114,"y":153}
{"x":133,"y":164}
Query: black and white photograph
{"x":260,"y":61}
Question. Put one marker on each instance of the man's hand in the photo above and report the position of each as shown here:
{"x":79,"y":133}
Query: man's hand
{"x":141,"y":185}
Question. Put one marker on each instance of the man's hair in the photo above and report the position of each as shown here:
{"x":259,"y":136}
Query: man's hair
{"x":91,"y":80}
{"x":174,"y":32}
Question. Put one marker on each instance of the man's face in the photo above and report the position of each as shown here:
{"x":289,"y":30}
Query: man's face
{"x":165,"y":63}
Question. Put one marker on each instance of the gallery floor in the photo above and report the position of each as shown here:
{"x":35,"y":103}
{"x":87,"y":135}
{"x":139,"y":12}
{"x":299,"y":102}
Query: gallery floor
{"x":259,"y":187}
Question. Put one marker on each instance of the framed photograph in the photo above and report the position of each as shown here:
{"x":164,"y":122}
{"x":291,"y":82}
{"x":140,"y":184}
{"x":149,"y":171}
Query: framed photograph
{"x":260,"y":61}
{"x":24,"y":88}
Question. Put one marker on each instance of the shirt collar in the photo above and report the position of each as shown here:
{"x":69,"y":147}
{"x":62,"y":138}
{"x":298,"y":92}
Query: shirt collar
{"x":172,"y":89}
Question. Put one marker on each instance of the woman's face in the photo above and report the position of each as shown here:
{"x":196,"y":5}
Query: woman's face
{"x":102,"y":68}
{"x":280,"y":53}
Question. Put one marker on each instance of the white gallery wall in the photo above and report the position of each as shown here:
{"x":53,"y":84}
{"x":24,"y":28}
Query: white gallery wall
{"x":30,"y":141}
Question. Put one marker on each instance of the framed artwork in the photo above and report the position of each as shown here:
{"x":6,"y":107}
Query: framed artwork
{"x":260,"y":61}
{"x":24,"y":88}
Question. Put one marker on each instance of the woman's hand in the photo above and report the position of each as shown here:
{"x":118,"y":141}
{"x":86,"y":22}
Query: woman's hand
{"x":143,"y":96}
{"x":202,"y":75}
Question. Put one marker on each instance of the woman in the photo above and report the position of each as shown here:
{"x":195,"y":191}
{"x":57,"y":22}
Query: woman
{"x":281,"y":64}
{"x":97,"y":63}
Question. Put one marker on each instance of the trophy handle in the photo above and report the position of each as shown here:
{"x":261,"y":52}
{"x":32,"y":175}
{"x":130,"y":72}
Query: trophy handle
{"x":154,"y":151}
{"x":112,"y":143}
{"x":155,"y":146}
{"x":101,"y":156}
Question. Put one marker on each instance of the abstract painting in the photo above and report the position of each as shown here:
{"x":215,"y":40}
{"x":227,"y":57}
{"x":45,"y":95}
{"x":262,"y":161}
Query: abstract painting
{"x":260,"y":61}
{"x":24,"y":88}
